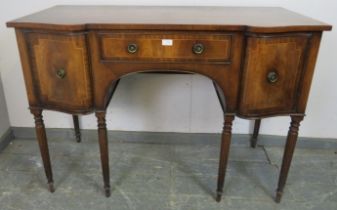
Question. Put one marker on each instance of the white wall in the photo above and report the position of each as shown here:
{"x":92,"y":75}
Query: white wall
{"x":182,"y":103}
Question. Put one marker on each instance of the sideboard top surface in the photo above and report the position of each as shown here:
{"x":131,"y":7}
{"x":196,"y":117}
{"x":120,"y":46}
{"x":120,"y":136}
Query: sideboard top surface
{"x":251,"y":19}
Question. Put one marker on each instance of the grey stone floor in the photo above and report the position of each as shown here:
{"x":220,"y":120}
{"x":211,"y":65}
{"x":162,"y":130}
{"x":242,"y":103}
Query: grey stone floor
{"x":163,"y":176}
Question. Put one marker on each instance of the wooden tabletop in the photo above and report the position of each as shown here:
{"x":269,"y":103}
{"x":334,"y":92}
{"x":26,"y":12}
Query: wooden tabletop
{"x":252,"y":19}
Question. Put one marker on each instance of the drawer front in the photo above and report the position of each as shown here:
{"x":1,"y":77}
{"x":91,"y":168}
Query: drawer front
{"x":193,"y":47}
{"x":60,"y":71}
{"x":272,"y":72}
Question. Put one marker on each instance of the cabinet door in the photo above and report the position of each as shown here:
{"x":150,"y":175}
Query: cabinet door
{"x":272,"y":72}
{"x":60,"y":71}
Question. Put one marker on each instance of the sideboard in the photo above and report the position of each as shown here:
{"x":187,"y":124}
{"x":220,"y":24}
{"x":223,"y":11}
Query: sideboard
{"x":260,"y":59}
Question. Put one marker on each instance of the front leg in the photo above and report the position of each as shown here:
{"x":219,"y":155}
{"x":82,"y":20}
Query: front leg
{"x":104,"y":150}
{"x":224,"y":152}
{"x":288,"y":154}
{"x":43,"y":144}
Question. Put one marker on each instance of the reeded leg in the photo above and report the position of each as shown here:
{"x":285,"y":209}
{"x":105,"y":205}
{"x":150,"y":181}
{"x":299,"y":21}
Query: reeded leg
{"x":253,"y":140}
{"x":288,"y":154}
{"x":104,"y":150}
{"x":225,"y":144}
{"x":43,"y":144}
{"x":77,"y":128}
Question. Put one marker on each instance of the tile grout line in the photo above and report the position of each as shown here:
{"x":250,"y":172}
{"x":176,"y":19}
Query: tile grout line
{"x":267,"y":156}
{"x":172,"y":196}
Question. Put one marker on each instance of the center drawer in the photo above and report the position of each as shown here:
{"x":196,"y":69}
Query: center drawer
{"x":183,"y":47}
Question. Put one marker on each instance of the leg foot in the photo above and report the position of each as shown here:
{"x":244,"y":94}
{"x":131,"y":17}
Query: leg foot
{"x":78,"y":139}
{"x":253,"y":140}
{"x":107,"y":191}
{"x":278,"y":197}
{"x":224,"y":152}
{"x":77,"y":128}
{"x":218,"y":196}
{"x":51,"y":187}
{"x":288,"y":154}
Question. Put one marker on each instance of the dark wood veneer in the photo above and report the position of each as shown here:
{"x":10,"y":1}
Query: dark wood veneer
{"x":50,"y":53}
{"x":215,"y":18}
{"x":283,"y":55}
{"x":261,"y":62}
{"x":150,"y":49}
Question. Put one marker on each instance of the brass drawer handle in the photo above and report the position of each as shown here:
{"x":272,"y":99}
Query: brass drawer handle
{"x":272,"y":77}
{"x":61,"y":73}
{"x":132,"y":48}
{"x":198,"y":48}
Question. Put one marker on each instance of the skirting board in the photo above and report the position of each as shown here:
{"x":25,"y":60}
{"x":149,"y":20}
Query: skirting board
{"x":6,"y":138}
{"x":174,"y":138}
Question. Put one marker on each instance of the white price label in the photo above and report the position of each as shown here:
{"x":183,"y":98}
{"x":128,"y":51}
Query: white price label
{"x":167,"y":42}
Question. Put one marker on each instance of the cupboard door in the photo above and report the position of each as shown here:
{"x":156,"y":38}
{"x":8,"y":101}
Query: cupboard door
{"x":273,"y":69}
{"x":61,"y":71}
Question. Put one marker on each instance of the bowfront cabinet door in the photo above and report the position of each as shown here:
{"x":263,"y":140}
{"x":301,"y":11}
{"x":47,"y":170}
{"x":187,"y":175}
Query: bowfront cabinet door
{"x":60,"y":69}
{"x":273,"y":69}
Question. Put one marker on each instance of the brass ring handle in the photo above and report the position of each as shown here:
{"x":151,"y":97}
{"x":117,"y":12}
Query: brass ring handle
{"x":132,"y":48}
{"x":61,"y":73}
{"x":272,"y":77}
{"x":198,"y":48}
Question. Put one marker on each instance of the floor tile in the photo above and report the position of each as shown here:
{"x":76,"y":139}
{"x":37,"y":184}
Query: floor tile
{"x":163,"y":176}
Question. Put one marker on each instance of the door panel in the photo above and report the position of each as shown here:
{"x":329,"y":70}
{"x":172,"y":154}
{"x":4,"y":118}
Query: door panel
{"x":272,"y":71}
{"x":61,"y":71}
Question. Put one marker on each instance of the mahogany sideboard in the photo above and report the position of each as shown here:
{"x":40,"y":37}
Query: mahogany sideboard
{"x":260,"y":59}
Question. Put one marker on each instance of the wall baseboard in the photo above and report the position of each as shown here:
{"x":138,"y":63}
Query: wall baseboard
{"x":6,"y":138}
{"x":173,"y":138}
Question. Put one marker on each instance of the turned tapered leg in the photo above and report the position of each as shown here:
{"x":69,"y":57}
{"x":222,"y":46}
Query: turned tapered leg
{"x":253,"y":140}
{"x":225,"y":144}
{"x":104,"y":150}
{"x":77,"y":128}
{"x":43,"y":144}
{"x":288,"y":154}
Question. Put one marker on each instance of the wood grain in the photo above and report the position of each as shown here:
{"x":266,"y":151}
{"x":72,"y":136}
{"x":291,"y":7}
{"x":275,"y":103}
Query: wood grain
{"x":150,"y":48}
{"x":284,"y":55}
{"x":50,"y":53}
{"x":252,"y":19}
